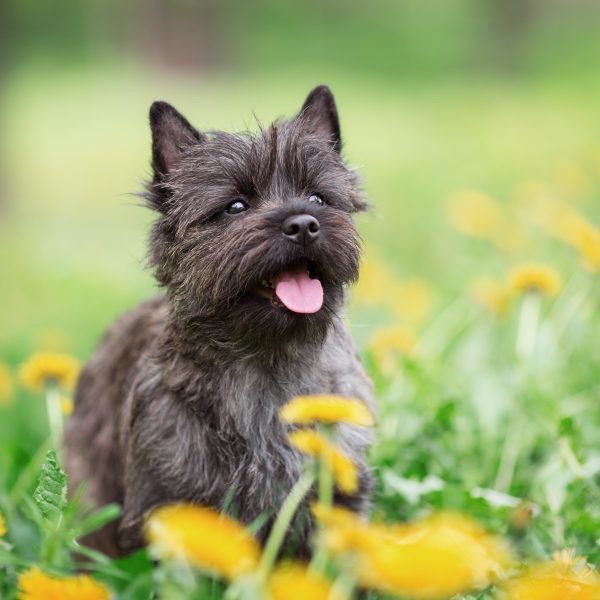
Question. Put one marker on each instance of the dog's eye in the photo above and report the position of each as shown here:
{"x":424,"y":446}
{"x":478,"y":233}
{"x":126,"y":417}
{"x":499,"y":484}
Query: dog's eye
{"x":237,"y":206}
{"x":316,"y":199}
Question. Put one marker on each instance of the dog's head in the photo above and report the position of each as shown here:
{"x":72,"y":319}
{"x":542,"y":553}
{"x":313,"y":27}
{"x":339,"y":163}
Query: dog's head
{"x":255,"y":237}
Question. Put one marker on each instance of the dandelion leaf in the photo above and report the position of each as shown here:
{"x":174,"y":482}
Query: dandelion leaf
{"x":50,"y":495}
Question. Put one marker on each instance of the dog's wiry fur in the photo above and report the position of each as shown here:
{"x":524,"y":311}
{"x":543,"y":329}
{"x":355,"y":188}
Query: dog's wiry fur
{"x":181,"y":400}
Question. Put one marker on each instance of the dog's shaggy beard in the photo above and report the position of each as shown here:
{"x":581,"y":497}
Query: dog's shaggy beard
{"x":213,"y":291}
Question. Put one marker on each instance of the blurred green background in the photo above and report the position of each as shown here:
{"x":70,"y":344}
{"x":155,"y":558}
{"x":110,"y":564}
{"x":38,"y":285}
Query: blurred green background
{"x":433,"y":96}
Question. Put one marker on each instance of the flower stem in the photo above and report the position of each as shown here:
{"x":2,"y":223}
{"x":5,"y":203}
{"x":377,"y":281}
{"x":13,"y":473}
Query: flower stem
{"x":282,"y":522}
{"x":55,"y":419}
{"x":528,"y":325}
{"x":319,"y":560}
{"x":508,"y":460}
{"x":325,"y":482}
{"x":343,"y":586}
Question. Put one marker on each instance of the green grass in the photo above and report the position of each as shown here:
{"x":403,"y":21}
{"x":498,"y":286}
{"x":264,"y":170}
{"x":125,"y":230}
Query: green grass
{"x":464,"y":409}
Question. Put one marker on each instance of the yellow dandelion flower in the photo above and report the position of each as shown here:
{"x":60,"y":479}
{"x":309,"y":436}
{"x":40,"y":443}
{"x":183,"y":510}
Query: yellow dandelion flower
{"x":513,"y":237}
{"x":293,"y":581}
{"x":568,"y":225}
{"x":532,"y":191}
{"x":400,"y":340}
{"x":342,"y":530}
{"x":491,"y":294}
{"x":574,"y":228}
{"x":586,"y":240}
{"x":390,"y":344}
{"x":335,"y":516}
{"x":314,"y":444}
{"x":567,"y":578}
{"x":7,"y":389}
{"x":437,"y":557}
{"x":411,"y":300}
{"x":551,"y":215}
{"x":36,"y":585}
{"x":378,"y":285}
{"x":45,"y":368}
{"x":474,"y":213}
{"x":66,"y":406}
{"x":533,"y":277}
{"x":202,"y":537}
{"x":53,"y":340}
{"x":2,"y":526}
{"x":326,"y":408}
{"x":375,"y":284}
{"x":572,"y":178}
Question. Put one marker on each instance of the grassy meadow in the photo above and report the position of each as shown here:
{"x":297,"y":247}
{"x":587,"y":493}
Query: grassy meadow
{"x":476,"y":314}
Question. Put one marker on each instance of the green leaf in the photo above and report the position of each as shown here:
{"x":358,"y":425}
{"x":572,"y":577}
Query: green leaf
{"x":50,"y":495}
{"x":99,"y":518}
{"x":141,"y":588}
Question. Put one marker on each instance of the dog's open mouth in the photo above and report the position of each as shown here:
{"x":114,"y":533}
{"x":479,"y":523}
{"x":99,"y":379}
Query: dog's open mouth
{"x":297,"y":289}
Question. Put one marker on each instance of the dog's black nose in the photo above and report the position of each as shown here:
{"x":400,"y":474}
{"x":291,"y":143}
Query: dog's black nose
{"x":301,"y":229}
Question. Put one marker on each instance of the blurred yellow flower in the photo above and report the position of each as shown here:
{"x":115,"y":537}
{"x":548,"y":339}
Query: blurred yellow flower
{"x":411,"y":300}
{"x":513,"y":237}
{"x":6,"y":385}
{"x":293,"y":581}
{"x":535,"y":277}
{"x":586,"y":241}
{"x":584,"y":237}
{"x":44,"y":368}
{"x":203,"y":537}
{"x":2,"y":526}
{"x":568,"y":225}
{"x":375,"y":284}
{"x":567,"y":578}
{"x":314,"y":444}
{"x":532,"y":191}
{"x":572,"y":178}
{"x":66,"y":406}
{"x":548,"y":213}
{"x":335,"y":516}
{"x":474,"y":213}
{"x":437,"y":557}
{"x":36,"y":585}
{"x":491,"y":294}
{"x":53,"y":340}
{"x":326,"y":409}
{"x":390,"y":344}
{"x":342,"y":530}
{"x":378,"y":285}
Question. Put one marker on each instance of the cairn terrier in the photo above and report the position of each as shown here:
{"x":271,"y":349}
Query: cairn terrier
{"x":255,"y":246}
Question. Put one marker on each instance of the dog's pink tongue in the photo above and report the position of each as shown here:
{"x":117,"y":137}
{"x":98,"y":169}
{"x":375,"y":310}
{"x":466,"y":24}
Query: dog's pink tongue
{"x":298,"y":292}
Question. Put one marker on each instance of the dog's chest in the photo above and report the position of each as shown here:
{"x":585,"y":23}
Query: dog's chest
{"x":249,"y":405}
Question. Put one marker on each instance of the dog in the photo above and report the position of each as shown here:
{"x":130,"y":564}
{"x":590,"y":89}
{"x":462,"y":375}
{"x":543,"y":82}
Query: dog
{"x":255,"y":247}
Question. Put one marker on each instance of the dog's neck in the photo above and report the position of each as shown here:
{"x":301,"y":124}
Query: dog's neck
{"x":236,"y":391}
{"x":207,"y":337}
{"x":203,"y":342}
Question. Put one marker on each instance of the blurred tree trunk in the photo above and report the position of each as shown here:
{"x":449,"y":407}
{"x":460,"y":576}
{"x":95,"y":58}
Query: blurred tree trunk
{"x":5,"y":43}
{"x":180,"y":34}
{"x":510,"y":23}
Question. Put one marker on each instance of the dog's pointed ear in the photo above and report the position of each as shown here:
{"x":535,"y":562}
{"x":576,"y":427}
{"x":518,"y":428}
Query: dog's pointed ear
{"x":171,"y":135}
{"x":319,"y":113}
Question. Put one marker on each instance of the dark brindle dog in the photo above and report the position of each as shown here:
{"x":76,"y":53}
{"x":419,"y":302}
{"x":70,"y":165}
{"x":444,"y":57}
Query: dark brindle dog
{"x":255,"y":245}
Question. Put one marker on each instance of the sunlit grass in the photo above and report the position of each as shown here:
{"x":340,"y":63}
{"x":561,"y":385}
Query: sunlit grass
{"x":487,"y":390}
